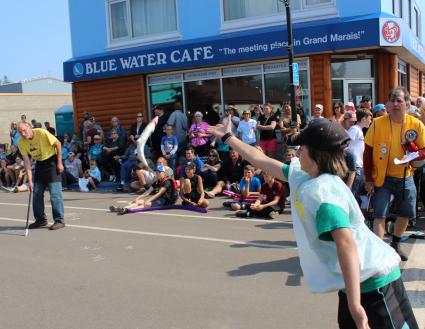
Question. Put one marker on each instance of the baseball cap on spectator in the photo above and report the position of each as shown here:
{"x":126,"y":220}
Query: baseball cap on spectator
{"x":349,"y":106}
{"x":230,"y":107}
{"x":71,"y":153}
{"x":322,"y":134}
{"x":378,"y":107}
{"x":160,"y":168}
{"x":365,"y":99}
{"x":319,"y":106}
{"x":350,"y":115}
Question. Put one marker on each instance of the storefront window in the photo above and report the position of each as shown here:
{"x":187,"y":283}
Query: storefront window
{"x":166,"y":95}
{"x":352,"y":69}
{"x":203,"y":96}
{"x":337,"y":91}
{"x":402,"y":74}
{"x":278,"y":90}
{"x":243,"y":91}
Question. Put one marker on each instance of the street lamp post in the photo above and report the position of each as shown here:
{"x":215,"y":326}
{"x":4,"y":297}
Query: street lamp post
{"x":291,"y":62}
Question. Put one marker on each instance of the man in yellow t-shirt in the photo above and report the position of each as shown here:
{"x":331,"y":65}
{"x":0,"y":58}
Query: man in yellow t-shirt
{"x":388,"y":138}
{"x":45,"y":150}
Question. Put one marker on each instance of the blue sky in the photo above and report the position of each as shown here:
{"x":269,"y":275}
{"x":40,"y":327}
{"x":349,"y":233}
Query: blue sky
{"x":34,"y":38}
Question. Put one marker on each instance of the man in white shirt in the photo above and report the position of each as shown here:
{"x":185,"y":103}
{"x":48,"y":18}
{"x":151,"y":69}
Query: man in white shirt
{"x":356,"y":146}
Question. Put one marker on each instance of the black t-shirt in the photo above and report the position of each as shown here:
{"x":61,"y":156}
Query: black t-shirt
{"x":46,"y":171}
{"x":170,"y":189}
{"x":266,"y":135}
{"x":233,"y":172}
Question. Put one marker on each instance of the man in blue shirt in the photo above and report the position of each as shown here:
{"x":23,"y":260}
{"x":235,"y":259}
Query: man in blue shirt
{"x":250,"y":186}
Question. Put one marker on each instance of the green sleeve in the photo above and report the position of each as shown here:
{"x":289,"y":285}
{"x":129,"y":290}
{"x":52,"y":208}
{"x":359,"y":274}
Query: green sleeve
{"x":285,"y":170}
{"x":330,"y":217}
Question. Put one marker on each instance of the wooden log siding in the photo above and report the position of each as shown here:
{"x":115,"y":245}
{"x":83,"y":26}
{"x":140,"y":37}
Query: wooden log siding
{"x":121,"y":97}
{"x":413,"y":82}
{"x":387,"y":75}
{"x":422,"y":87}
{"x":321,"y":82}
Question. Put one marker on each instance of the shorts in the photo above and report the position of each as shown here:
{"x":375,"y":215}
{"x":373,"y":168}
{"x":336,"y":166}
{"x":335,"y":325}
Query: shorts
{"x":386,"y":307}
{"x":404,"y":200}
{"x":269,"y":146}
{"x":160,"y":202}
{"x":194,"y":197}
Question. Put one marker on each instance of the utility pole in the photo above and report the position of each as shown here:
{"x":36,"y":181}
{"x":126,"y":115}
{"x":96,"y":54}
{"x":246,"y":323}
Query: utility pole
{"x":291,"y":61}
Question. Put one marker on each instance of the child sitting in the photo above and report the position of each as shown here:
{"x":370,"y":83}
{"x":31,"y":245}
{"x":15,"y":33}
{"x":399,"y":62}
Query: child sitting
{"x":192,"y":190}
{"x":270,"y":203}
{"x":250,"y":187}
{"x":165,"y":194}
{"x":93,"y":176}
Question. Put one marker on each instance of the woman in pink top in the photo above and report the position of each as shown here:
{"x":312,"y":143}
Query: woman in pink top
{"x":198,"y":135}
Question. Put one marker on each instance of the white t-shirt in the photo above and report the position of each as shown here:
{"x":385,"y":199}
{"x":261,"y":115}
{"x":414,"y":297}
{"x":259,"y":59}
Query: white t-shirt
{"x":356,"y":144}
{"x":247,"y":131}
{"x":314,"y":203}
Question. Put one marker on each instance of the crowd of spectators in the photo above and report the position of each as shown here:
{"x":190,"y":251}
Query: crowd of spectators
{"x":202,"y":166}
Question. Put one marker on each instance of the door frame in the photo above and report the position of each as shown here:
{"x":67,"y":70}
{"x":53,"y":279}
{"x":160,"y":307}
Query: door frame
{"x":347,"y":81}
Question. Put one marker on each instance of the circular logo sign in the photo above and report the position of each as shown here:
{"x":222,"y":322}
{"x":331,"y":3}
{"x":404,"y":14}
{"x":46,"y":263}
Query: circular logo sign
{"x":391,"y":31}
{"x":78,"y":70}
{"x":411,"y":135}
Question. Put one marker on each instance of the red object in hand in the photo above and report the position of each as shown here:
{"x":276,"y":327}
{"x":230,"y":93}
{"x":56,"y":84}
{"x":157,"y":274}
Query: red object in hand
{"x":411,"y":147}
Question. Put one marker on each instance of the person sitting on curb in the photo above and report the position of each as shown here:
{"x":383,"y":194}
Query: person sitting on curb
{"x":250,"y":186}
{"x":270,"y":203}
{"x":192,"y":190}
{"x":166,"y":194}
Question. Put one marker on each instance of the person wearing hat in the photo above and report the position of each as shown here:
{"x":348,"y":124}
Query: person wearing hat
{"x":230,"y":112}
{"x":350,"y":119}
{"x":317,"y":112}
{"x":390,"y":137}
{"x":337,"y":250}
{"x":165,"y":194}
{"x":198,"y":135}
{"x":379,"y":110}
{"x":366,"y":103}
{"x":73,"y":170}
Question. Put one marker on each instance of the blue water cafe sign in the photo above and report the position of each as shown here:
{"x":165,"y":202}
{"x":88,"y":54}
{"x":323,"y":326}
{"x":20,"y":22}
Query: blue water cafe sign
{"x":226,"y":49}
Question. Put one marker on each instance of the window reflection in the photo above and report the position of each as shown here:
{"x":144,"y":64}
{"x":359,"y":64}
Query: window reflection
{"x":166,"y":95}
{"x":243,"y":91}
{"x":203,"y":96}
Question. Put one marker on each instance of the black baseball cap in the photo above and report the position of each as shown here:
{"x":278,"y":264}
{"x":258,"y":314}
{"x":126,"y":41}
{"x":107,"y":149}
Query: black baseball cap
{"x":323,"y":135}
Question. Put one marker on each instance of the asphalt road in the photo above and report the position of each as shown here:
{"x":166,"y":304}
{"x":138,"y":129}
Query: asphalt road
{"x":162,"y":270}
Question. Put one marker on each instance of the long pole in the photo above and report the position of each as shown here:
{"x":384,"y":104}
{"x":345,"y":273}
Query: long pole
{"x":291,"y":62}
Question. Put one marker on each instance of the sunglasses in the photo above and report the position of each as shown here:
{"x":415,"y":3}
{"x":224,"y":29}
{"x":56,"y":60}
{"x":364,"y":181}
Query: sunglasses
{"x":211,"y":155}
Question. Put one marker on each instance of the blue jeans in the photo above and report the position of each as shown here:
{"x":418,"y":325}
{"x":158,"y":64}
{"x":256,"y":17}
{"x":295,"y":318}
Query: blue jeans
{"x":55,"y":190}
{"x":125,"y":170}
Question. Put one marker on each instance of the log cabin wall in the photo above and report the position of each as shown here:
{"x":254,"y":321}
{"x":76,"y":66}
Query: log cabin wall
{"x":122,"y":97}
{"x":321,"y":82}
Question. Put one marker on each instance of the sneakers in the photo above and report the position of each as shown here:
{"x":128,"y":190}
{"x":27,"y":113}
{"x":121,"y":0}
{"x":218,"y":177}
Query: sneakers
{"x":113,"y":209}
{"x":400,"y":252}
{"x":243,"y":213}
{"x":273,"y":214}
{"x":122,"y":211}
{"x":57,"y":226}
{"x":38,"y":223}
{"x":227,"y":204}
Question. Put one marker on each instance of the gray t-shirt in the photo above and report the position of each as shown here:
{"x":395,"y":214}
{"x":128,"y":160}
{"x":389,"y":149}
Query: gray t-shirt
{"x":72,"y":167}
{"x":179,"y":121}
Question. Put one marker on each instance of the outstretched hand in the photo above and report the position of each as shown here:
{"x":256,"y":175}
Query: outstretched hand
{"x":220,"y":130}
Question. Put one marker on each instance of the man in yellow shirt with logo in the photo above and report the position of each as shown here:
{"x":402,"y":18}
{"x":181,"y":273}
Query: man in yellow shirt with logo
{"x":45,"y":150}
{"x":390,"y":137}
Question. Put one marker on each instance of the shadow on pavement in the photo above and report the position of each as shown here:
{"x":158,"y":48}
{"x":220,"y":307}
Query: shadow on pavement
{"x":289,"y":265}
{"x":276,"y":225}
{"x":265,"y":244}
{"x":413,"y":274}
